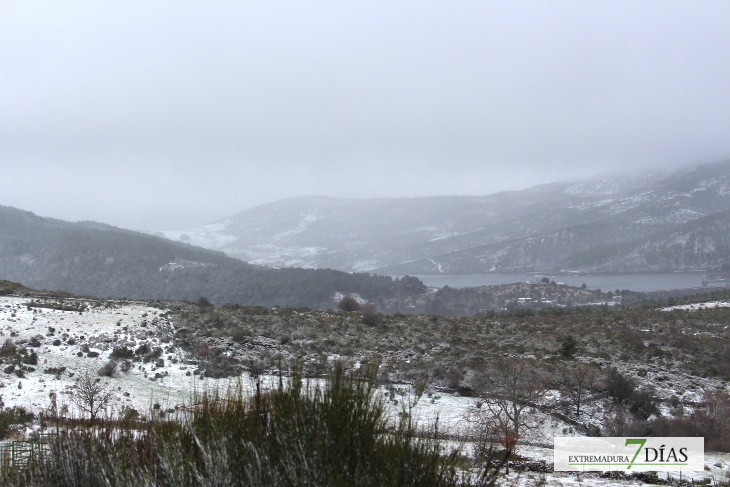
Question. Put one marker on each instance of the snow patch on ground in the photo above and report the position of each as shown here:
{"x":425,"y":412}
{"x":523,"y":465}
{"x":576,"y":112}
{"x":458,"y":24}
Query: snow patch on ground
{"x":307,"y":219}
{"x":172,"y":383}
{"x":101,"y":329}
{"x":213,"y":236}
{"x":698,"y":306}
{"x":438,"y":266}
{"x":338,"y":297}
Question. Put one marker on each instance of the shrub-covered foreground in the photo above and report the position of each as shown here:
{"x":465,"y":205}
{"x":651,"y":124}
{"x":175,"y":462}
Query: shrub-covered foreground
{"x":291,"y":436}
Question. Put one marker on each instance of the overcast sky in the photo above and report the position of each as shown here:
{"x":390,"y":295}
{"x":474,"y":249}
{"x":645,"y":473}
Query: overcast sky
{"x":165,"y":115}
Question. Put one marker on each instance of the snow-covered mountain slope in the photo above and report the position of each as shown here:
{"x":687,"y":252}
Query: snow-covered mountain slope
{"x":409,"y":234}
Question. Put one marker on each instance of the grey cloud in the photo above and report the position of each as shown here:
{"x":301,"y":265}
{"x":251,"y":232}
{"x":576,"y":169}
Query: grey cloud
{"x":190,"y":111}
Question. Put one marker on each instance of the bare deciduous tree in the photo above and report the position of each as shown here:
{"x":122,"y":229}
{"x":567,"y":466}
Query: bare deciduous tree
{"x":712,"y":420}
{"x":577,"y":384}
{"x":91,"y":396}
{"x":507,"y":389}
{"x":617,"y":424}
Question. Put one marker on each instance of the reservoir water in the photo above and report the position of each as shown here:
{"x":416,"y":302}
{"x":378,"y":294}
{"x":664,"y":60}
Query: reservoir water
{"x":608,"y":282}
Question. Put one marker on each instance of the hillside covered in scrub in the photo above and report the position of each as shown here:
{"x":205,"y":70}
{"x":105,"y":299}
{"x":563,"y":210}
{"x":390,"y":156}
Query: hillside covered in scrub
{"x":661,"y":361}
{"x":689,"y":341}
{"x":645,"y":369}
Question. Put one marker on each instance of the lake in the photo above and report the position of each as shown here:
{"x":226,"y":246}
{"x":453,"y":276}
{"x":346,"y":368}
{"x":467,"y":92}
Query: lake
{"x":608,"y":282}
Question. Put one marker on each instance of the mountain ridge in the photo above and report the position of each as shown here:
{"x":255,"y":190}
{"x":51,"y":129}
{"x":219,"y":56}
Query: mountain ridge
{"x":101,"y":260}
{"x":406,"y":235}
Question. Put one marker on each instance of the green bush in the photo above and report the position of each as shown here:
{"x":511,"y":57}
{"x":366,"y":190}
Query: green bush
{"x":348,"y":303}
{"x":108,"y":369}
{"x":10,"y":418}
{"x":619,"y":387}
{"x":121,"y":353}
{"x":29,"y":357}
{"x":568,"y":347}
{"x":240,"y":334}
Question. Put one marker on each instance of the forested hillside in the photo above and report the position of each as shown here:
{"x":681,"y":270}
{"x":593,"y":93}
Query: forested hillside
{"x":680,"y":222}
{"x":93,"y":259}
{"x":700,"y":243}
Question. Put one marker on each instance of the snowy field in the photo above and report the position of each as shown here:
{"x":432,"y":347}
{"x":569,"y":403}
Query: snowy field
{"x":82,"y":342}
{"x":101,"y":329}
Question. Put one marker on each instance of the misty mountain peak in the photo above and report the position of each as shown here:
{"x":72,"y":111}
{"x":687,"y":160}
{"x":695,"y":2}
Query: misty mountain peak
{"x":460,"y":234}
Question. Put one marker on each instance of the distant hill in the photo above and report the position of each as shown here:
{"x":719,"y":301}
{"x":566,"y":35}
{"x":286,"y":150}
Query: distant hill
{"x":88,"y":258}
{"x":603,"y":224}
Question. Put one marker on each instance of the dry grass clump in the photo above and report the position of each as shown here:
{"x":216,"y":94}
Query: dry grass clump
{"x":295,"y":435}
